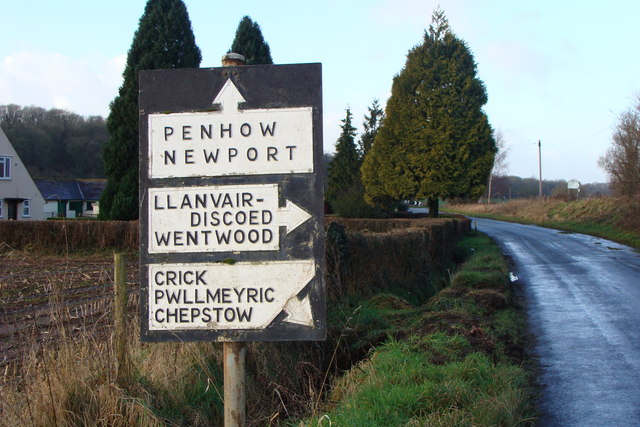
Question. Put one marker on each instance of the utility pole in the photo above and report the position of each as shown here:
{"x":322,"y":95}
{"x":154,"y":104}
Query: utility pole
{"x":540,"y":169}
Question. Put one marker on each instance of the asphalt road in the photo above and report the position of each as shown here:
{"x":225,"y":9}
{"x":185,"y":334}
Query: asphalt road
{"x":582,"y":296}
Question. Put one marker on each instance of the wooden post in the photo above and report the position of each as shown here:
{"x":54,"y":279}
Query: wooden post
{"x":234,"y":352}
{"x":120,"y":319}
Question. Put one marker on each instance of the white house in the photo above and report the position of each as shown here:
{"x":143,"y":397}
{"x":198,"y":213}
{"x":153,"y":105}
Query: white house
{"x":20,"y":199}
{"x":71,"y":198}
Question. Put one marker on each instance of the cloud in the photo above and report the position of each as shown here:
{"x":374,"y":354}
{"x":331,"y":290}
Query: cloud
{"x":83,"y":85}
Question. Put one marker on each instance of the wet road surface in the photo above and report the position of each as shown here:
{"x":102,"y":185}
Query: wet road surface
{"x":583,"y":301}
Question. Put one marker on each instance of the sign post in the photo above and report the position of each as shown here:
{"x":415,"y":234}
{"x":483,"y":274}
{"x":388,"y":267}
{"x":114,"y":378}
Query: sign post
{"x":231,"y":206}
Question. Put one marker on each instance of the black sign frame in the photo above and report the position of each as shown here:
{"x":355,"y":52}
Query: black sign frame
{"x":262,"y":86}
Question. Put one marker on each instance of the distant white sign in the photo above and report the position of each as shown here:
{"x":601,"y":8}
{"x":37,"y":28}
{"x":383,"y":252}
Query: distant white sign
{"x":245,"y":295}
{"x":231,"y":141}
{"x":219,"y":218}
{"x":573,"y":185}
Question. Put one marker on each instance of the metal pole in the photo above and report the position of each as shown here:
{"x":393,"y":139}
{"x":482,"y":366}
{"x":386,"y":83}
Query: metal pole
{"x":234,"y":352}
{"x":540,"y":168}
{"x":234,"y":384}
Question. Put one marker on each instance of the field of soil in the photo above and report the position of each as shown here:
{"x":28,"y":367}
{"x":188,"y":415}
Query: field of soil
{"x":43,"y":296}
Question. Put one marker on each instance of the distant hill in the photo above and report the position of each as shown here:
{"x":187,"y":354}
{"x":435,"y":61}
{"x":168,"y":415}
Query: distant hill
{"x":56,"y":143}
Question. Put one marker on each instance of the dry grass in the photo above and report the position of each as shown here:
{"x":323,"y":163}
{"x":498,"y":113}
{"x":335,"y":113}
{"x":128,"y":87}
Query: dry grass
{"x":72,"y":382}
{"x":59,"y":367}
{"x":613,"y":218}
{"x":548,"y":209}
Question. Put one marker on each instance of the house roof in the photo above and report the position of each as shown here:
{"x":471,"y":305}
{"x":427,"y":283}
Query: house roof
{"x":71,"y":189}
{"x":92,"y":189}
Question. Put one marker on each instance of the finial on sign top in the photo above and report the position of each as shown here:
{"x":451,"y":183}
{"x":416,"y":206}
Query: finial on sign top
{"x":233,"y":60}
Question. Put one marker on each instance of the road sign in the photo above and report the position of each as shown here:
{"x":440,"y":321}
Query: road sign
{"x":243,"y":295}
{"x":231,"y":141}
{"x":231,"y":205}
{"x":219,"y":218}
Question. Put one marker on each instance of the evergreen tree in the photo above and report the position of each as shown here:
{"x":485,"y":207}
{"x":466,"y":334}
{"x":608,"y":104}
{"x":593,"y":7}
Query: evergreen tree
{"x":164,"y":39}
{"x":344,"y":168}
{"x":250,"y":43}
{"x":435,"y":142}
{"x":371,"y":124}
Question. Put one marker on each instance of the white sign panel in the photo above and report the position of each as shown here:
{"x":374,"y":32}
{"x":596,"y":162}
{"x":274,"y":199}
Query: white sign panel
{"x":219,"y":218}
{"x":245,"y":295}
{"x":231,"y":141}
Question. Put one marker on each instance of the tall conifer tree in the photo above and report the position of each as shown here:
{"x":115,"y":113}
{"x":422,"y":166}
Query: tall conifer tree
{"x":436,"y":141}
{"x":250,"y":43}
{"x":164,"y":39}
{"x":344,"y":169}
{"x":371,"y":125}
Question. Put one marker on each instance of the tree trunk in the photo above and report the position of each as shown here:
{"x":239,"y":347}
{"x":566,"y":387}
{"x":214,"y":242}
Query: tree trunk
{"x":433,"y":207}
{"x":489,"y":194}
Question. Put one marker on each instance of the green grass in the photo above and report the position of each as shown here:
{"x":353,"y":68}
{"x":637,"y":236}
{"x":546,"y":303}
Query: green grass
{"x":456,"y":360}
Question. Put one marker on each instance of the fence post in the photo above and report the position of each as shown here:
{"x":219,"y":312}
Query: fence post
{"x":120,"y":319}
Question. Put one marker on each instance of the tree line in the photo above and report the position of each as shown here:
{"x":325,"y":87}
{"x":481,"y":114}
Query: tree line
{"x":513,"y":187}
{"x":56,"y":143}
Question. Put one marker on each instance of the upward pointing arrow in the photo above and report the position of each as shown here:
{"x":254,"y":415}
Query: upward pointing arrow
{"x":229,"y":97}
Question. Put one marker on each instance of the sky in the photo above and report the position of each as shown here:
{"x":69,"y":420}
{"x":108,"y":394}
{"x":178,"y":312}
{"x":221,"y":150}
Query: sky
{"x":558,"y":72}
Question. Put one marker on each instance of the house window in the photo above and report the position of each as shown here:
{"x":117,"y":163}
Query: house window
{"x":26,"y":208}
{"x":5,"y":167}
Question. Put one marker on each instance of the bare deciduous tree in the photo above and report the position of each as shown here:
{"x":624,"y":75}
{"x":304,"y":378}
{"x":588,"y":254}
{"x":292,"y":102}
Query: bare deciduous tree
{"x":499,"y":161}
{"x":622,"y":160}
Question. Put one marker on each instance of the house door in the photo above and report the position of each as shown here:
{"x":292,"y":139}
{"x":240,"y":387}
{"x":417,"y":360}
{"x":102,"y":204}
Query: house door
{"x":12,"y":208}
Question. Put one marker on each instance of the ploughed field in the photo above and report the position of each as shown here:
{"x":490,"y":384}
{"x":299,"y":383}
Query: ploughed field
{"x":44,"y":296}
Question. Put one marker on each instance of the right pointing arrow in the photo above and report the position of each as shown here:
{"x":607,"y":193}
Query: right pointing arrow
{"x":292,"y":216}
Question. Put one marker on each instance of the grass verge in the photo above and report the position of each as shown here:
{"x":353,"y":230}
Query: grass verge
{"x":456,"y":360}
{"x":466,"y":340}
{"x":614,"y":219}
